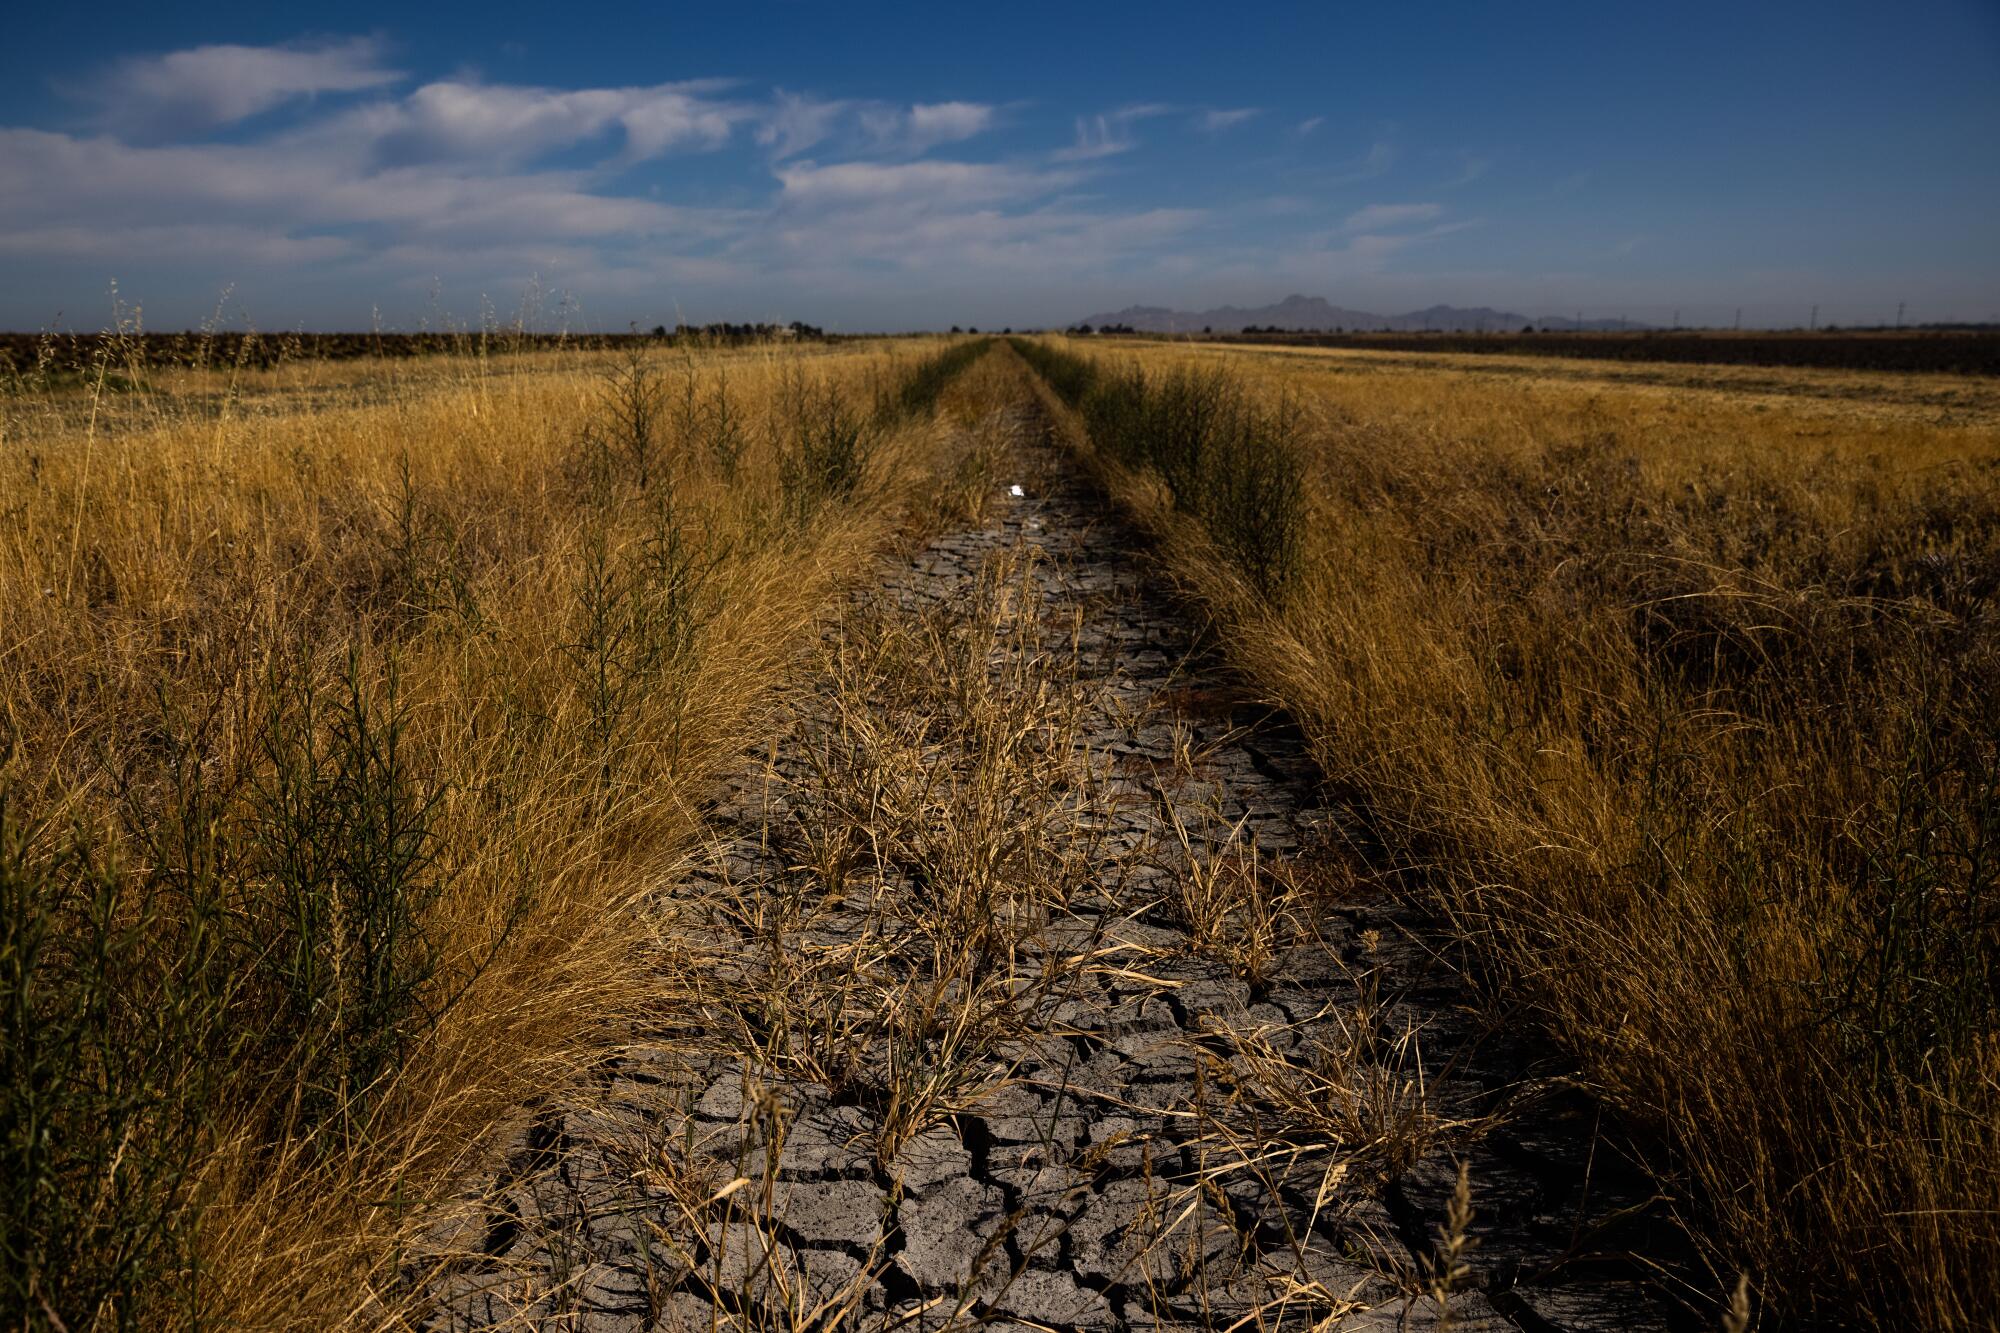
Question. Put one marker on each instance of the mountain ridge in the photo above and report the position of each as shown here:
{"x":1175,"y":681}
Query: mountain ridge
{"x":1300,"y":313}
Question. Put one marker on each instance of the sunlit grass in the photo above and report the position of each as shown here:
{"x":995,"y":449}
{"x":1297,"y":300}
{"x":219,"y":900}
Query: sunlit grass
{"x":340,"y":739}
{"x":1681,"y":705}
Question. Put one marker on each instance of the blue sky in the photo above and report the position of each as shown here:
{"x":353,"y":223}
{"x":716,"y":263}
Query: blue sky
{"x":873,"y":166}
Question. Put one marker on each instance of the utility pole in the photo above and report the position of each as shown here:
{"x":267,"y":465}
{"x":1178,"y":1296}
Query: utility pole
{"x":1739,"y":319}
{"x":1677,"y":321}
{"x":1815,"y":317}
{"x":1899,"y":314}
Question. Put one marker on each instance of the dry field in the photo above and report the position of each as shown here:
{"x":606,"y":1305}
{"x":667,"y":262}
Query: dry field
{"x":442,"y":800}
{"x":344,"y":710}
{"x":1676,"y":693}
{"x":1930,"y":399}
{"x":1961,"y":351}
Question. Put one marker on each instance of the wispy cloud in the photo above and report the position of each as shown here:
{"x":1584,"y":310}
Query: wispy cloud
{"x":1471,"y":166}
{"x":796,"y":123}
{"x":508,"y":123}
{"x":930,"y":124}
{"x":1379,"y":159}
{"x":206,"y":87}
{"x":958,"y":245}
{"x":377,"y":183}
{"x":127,"y":244}
{"x":94,"y":183}
{"x":928,"y":183}
{"x":1215,"y":122}
{"x":1370,"y":250}
{"x":1108,"y":133}
{"x":1378,"y":216}
{"x":1308,"y":125}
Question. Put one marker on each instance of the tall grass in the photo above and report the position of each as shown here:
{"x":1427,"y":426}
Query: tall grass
{"x":1225,"y":459}
{"x":1686,"y":712}
{"x":926,"y":382}
{"x":337,"y":738}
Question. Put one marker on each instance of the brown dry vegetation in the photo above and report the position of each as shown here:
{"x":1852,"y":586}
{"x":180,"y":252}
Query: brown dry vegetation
{"x":1964,"y":351}
{"x":1737,"y":390}
{"x":348,"y":714}
{"x":340,"y":738}
{"x":1683,"y":706}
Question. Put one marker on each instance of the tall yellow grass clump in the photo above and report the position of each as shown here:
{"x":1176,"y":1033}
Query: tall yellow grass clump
{"x":1683,"y":707}
{"x":339,"y":729}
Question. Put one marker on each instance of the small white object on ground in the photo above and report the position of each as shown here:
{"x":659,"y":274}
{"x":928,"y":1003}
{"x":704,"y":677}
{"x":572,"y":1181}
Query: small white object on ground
{"x":1016,"y":491}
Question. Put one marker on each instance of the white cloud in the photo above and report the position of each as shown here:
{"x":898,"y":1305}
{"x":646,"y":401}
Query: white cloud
{"x":489,"y":123}
{"x":1109,"y":133}
{"x":929,"y":184}
{"x":488,"y":182}
{"x":1392,"y":215}
{"x":946,"y":122}
{"x":1371,"y":249}
{"x":138,"y":245}
{"x":1215,"y":122}
{"x":1036,"y":245}
{"x":209,"y":86}
{"x":316,"y":204}
{"x":1096,"y":136}
{"x":93,"y":187}
{"x":795,"y":122}
{"x":1308,"y":125}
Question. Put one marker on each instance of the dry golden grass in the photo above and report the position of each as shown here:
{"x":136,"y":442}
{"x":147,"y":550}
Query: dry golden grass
{"x":340,"y":737}
{"x":1678,"y":698}
{"x":349,"y":715}
{"x":1854,"y":395}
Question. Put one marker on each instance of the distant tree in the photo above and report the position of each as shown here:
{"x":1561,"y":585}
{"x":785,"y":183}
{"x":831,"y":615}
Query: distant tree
{"x":973,"y":329}
{"x":659,"y":330}
{"x":1206,"y":329}
{"x":1527,"y":328}
{"x":1009,"y":329}
{"x":956,"y":329}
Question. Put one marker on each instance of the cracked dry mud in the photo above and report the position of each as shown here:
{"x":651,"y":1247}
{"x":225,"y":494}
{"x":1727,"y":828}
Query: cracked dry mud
{"x":1024,"y":983}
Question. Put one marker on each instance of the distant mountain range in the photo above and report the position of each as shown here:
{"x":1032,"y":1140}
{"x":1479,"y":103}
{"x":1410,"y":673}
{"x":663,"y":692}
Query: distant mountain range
{"x":1314,"y":312}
